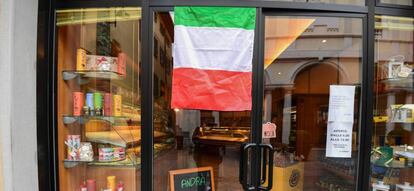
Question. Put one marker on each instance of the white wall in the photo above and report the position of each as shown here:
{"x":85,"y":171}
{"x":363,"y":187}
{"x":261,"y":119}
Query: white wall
{"x":18,"y":26}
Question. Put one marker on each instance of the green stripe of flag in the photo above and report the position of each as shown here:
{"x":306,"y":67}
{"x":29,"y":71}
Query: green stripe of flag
{"x":228,"y":17}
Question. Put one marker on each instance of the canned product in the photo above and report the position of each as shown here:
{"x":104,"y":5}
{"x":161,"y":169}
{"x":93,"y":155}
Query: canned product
{"x":108,"y":104}
{"x":110,"y":182}
{"x":122,"y":64}
{"x":117,"y":104}
{"x":91,"y":185}
{"x":106,"y":154}
{"x":80,"y":59}
{"x":89,"y":103}
{"x":97,"y":102}
{"x":77,"y":103}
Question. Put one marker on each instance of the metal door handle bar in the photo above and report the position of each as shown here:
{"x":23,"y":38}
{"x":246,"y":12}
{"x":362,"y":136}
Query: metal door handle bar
{"x":266,"y":148}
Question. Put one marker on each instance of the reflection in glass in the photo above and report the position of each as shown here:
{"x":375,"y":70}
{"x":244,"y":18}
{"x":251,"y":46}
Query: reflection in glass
{"x":398,"y":2}
{"x":393,"y":138}
{"x":343,"y":2}
{"x":98,"y":98}
{"x":304,"y":56}
{"x":191,"y":138}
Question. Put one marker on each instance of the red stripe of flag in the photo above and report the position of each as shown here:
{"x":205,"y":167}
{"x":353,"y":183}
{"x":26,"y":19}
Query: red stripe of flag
{"x":211,"y":89}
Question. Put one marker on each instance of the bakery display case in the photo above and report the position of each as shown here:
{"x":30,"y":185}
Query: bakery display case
{"x":98,"y":98}
{"x":222,"y":129}
{"x":392,"y":155}
{"x":223,"y":136}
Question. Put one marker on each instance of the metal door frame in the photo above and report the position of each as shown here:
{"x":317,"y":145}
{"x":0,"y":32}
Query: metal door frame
{"x":363,"y":108}
{"x":46,"y":73}
{"x":147,"y":151}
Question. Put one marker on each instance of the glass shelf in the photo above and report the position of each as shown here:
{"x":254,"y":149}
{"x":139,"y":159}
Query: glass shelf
{"x":69,"y":119}
{"x":337,"y":172}
{"x":85,"y":74}
{"x":394,"y":164}
{"x":74,"y":163}
{"x":399,"y":83}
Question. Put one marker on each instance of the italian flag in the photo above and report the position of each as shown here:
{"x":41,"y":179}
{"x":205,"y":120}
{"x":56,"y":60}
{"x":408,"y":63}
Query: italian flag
{"x":213,"y":50}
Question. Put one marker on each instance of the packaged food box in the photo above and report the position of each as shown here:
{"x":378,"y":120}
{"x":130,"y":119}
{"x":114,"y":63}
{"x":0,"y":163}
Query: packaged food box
{"x":111,"y":154}
{"x":106,"y":154}
{"x":101,"y":63}
{"x":73,"y":144}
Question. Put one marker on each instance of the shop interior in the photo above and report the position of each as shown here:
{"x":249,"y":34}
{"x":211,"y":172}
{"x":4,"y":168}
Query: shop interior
{"x":98,"y":96}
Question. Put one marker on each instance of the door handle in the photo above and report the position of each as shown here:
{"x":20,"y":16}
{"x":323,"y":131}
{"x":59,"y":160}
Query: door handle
{"x":263,"y":156}
{"x":267,"y":166}
{"x":243,"y":165}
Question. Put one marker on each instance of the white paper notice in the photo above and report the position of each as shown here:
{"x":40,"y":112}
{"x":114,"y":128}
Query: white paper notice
{"x":339,"y":139}
{"x":340,"y":121}
{"x":341,"y":103}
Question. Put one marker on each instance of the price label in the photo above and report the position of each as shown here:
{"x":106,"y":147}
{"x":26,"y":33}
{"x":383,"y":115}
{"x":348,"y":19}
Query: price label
{"x":269,"y":130}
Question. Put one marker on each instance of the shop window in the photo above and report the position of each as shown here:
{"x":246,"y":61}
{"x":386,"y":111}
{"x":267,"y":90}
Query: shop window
{"x":397,"y":2}
{"x":393,"y":134}
{"x":98,"y":99}
{"x":190,"y":138}
{"x":343,"y":2}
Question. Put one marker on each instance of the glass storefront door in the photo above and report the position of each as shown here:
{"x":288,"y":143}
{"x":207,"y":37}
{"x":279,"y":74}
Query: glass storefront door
{"x":188,"y":139}
{"x":312,"y":74}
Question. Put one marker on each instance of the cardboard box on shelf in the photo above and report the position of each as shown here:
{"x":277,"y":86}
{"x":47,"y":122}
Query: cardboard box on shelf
{"x":289,"y":178}
{"x":402,"y":113}
{"x":101,"y":63}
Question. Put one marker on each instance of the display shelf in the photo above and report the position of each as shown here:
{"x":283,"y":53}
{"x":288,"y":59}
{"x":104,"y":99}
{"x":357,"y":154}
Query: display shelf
{"x":122,"y":164}
{"x":337,"y":172}
{"x":69,"y":119}
{"x":394,"y":164}
{"x":129,"y":162}
{"x":121,"y":138}
{"x":72,"y":163}
{"x":84,"y":75}
{"x":399,"y":83}
{"x":391,"y":122}
{"x":321,"y":188}
{"x":329,"y":182}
